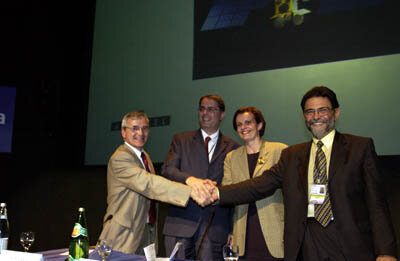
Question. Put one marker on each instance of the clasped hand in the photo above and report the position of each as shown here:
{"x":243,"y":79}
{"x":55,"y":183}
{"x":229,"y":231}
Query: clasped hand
{"x":202,"y":190}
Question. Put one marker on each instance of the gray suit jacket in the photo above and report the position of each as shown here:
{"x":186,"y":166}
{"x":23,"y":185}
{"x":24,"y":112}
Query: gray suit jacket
{"x":129,"y":189}
{"x":270,"y":210}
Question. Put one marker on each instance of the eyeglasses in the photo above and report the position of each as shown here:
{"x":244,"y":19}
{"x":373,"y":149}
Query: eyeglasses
{"x":137,"y":128}
{"x":210,"y":109}
{"x":320,"y":111}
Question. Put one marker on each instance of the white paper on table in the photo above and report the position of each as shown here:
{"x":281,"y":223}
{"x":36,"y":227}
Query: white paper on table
{"x":10,"y":255}
{"x":150,"y":252}
{"x":60,"y":253}
{"x":176,"y":248}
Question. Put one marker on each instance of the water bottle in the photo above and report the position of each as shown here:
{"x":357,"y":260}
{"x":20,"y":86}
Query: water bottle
{"x":4,"y":227}
{"x":79,"y":244}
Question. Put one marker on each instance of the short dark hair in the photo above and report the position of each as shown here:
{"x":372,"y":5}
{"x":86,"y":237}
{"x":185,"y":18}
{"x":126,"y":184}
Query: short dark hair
{"x":219,"y":100}
{"x":320,"y":91}
{"x":257,"y":116}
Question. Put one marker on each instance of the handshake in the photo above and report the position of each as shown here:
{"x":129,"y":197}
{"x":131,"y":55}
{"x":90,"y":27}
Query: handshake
{"x":204,"y":191}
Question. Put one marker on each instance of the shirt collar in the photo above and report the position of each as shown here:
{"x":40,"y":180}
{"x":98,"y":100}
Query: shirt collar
{"x":327,"y":140}
{"x":137,"y":151}
{"x":212,"y":136}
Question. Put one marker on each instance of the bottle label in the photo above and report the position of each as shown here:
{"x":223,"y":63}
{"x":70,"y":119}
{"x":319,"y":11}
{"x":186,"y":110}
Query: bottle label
{"x":70,"y":258}
{"x":3,"y":243}
{"x":78,"y":250}
{"x":3,"y":217}
{"x":79,"y":231}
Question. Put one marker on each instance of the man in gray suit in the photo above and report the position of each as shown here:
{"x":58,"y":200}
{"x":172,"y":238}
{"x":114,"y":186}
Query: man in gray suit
{"x":132,"y":185}
{"x":194,"y":161}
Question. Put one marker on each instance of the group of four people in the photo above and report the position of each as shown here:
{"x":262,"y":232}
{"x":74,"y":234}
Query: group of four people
{"x":334,"y":207}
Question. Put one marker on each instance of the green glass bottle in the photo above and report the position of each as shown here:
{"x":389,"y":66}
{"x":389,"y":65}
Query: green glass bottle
{"x":79,"y":244}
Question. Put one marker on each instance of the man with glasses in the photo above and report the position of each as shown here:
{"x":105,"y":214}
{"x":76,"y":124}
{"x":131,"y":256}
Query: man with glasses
{"x":196,"y":158}
{"x":130,"y":220}
{"x":335,"y":208}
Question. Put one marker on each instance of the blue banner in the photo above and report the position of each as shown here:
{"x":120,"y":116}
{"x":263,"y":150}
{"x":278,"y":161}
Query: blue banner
{"x":7,"y":104}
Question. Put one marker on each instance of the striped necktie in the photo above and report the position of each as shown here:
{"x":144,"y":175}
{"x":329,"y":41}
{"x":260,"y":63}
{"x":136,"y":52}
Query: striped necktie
{"x":322,"y":212}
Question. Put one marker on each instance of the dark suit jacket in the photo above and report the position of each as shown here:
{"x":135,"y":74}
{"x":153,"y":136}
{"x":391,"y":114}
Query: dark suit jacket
{"x":187,"y":157}
{"x":358,"y":203}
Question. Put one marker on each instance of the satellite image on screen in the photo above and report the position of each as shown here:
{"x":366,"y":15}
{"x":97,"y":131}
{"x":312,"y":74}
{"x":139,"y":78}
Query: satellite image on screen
{"x":239,"y":36}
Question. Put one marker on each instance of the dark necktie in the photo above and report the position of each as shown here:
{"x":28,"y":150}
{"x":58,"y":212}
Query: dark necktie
{"x":322,"y":212}
{"x":206,"y":146}
{"x":152,"y":210}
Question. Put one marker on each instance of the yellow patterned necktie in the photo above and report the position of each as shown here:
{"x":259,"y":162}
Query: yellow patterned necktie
{"x":322,"y":212}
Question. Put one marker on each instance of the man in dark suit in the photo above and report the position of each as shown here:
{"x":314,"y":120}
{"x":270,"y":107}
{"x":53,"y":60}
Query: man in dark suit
{"x":351,"y":220}
{"x":194,"y":161}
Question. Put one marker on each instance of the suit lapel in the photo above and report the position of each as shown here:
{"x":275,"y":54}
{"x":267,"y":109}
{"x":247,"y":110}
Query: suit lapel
{"x":150,"y":163}
{"x":302,"y":166}
{"x":262,"y":159}
{"x":200,"y":145}
{"x":338,"y":155}
{"x":243,"y":164}
{"x":135,"y":157}
{"x":219,"y":148}
{"x":137,"y":160}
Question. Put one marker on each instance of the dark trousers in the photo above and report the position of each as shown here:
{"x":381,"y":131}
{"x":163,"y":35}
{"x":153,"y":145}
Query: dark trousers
{"x":321,"y":243}
{"x":195,"y":247}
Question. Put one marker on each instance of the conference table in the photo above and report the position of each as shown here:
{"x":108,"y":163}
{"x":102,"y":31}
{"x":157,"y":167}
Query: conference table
{"x":62,"y":255}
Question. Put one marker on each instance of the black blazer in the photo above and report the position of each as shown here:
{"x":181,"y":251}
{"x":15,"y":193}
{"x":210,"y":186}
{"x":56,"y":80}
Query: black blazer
{"x":358,"y":202}
{"x":187,"y":157}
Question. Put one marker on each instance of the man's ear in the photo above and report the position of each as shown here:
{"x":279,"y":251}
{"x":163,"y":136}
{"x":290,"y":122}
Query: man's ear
{"x":222,"y":116}
{"x":337,"y":113}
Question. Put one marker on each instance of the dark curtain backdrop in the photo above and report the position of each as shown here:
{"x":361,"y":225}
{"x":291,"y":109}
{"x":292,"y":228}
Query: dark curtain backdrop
{"x":45,"y":52}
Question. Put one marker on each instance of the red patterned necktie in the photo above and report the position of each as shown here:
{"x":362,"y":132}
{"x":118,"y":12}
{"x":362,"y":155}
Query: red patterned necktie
{"x":152,"y":210}
{"x":206,"y":146}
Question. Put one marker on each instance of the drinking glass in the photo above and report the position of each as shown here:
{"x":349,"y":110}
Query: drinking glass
{"x":230,"y":251}
{"x":104,"y":247}
{"x":27,"y":239}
